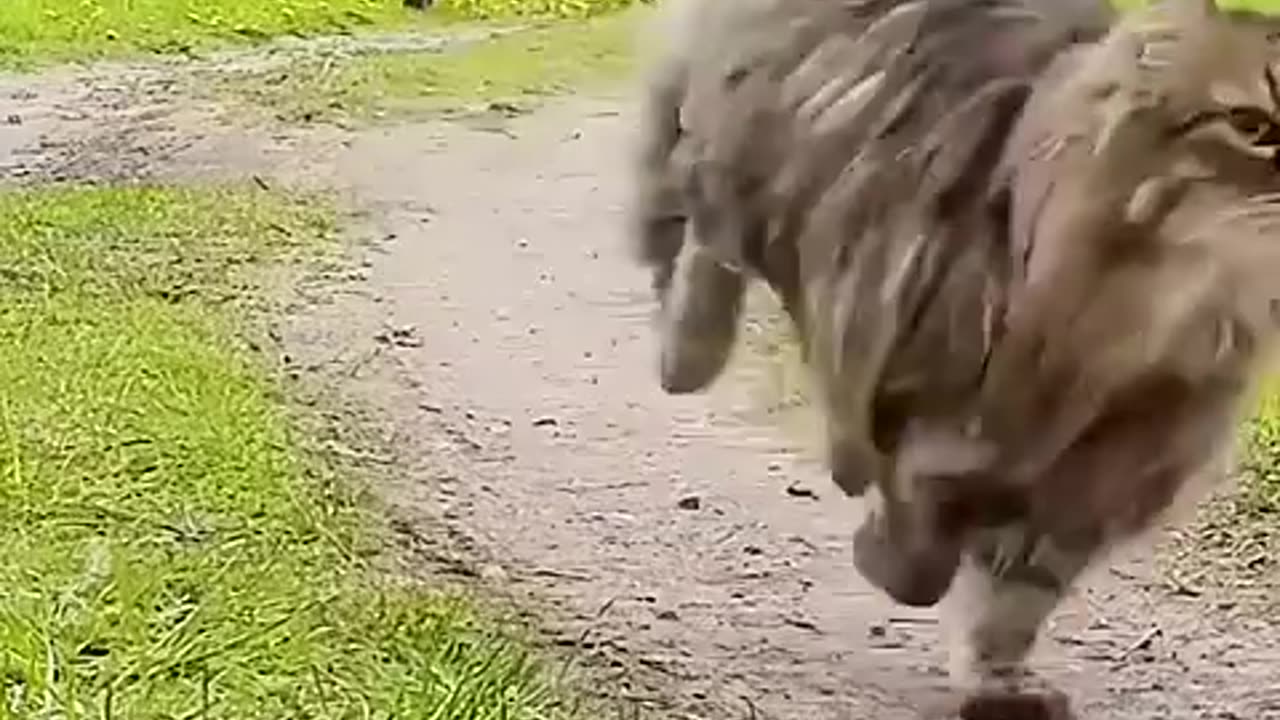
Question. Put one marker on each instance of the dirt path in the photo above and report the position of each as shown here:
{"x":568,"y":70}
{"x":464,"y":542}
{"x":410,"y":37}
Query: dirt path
{"x":500,"y":338}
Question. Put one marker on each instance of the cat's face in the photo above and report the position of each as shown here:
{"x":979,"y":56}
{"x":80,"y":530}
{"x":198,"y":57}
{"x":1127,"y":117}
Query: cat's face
{"x":1216,"y":71}
{"x":1213,"y":77}
{"x":1170,"y":134}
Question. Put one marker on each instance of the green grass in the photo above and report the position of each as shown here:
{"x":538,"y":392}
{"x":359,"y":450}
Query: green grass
{"x":515,"y":70}
{"x":1233,"y":541}
{"x":1262,"y":456}
{"x":61,"y":30}
{"x":1258,"y":5}
{"x":562,"y":9}
{"x":41,"y":31}
{"x":168,"y":551}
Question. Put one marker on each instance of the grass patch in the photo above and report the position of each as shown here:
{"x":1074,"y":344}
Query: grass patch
{"x":512,"y":70}
{"x":543,"y":9}
{"x":1233,"y":541}
{"x":1261,"y":497}
{"x":60,"y":30}
{"x":168,"y":551}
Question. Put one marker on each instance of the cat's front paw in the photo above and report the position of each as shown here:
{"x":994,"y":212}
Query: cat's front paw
{"x":1037,"y":704}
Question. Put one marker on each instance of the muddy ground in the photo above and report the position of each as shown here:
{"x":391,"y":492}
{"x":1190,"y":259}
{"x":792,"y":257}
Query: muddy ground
{"x":492,"y":339}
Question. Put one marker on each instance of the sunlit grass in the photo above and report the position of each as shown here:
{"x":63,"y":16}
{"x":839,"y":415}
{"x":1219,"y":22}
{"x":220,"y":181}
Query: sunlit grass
{"x":517,"y":69}
{"x":43,"y":30}
{"x":168,"y":551}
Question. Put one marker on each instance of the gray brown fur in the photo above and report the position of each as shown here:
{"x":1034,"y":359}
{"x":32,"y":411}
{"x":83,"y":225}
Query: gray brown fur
{"x":1032,"y":266}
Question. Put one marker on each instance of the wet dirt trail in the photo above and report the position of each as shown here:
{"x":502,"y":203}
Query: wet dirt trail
{"x":498,"y":335}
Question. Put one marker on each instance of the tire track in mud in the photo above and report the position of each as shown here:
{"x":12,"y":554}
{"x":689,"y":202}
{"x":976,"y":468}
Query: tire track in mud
{"x":498,"y":333}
